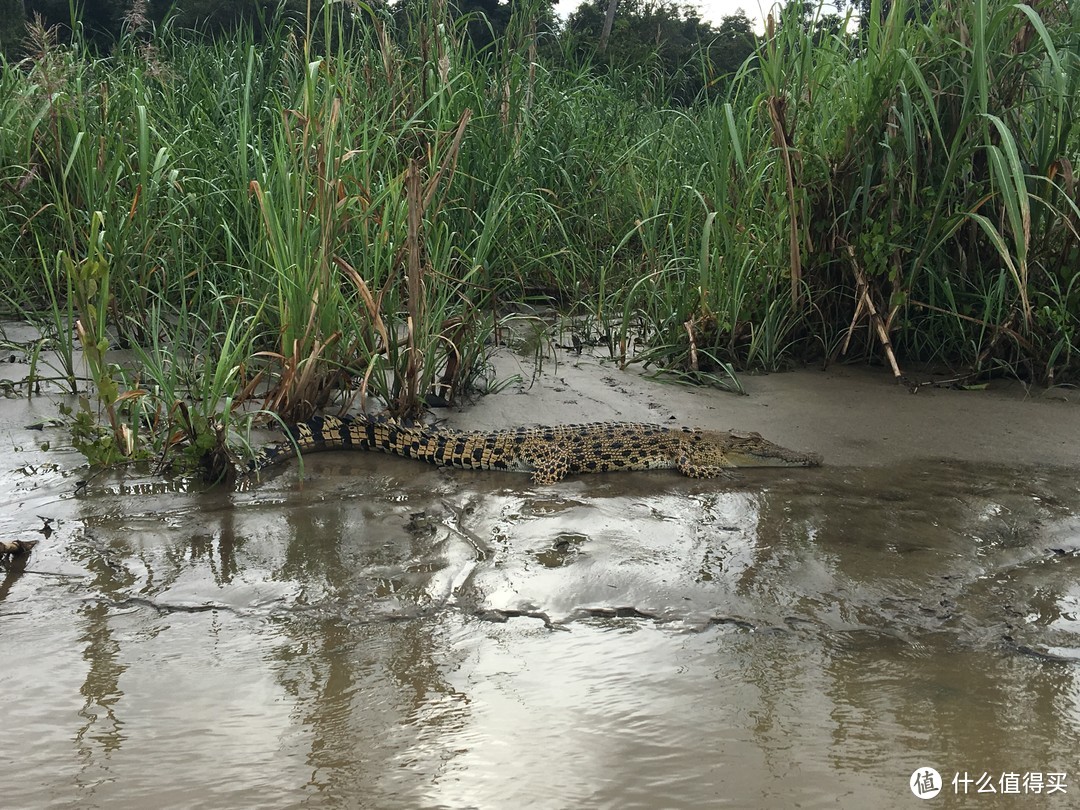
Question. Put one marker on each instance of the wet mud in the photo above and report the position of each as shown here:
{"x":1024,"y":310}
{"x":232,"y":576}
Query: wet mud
{"x":387,"y":634}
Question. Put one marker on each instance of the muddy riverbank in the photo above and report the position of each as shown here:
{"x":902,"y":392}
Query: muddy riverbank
{"x":851,"y":414}
{"x":388,"y":634}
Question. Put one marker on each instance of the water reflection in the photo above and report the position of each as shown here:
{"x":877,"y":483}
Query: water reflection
{"x":410,"y":637}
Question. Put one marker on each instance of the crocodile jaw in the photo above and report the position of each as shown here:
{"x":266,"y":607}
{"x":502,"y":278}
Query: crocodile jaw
{"x":751,"y":450}
{"x":763,"y":453}
{"x":789,"y":458}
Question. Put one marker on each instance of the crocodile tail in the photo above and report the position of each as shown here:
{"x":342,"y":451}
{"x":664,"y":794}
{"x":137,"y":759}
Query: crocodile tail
{"x":316,"y":434}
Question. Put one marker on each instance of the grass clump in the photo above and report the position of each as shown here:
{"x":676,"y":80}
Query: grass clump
{"x":205,"y":227}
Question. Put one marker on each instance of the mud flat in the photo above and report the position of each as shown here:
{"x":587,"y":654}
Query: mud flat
{"x":852,"y":415}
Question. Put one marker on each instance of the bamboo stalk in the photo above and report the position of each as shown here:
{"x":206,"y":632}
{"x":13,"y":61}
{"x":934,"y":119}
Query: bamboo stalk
{"x":866,"y":302}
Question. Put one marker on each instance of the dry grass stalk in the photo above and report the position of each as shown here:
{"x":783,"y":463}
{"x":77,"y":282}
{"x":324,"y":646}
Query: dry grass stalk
{"x":865,"y":303}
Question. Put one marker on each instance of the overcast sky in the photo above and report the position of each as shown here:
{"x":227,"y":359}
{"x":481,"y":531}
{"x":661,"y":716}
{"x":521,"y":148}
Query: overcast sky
{"x":712,"y":10}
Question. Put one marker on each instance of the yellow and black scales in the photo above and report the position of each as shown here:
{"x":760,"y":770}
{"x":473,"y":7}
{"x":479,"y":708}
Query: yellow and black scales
{"x":549,"y":453}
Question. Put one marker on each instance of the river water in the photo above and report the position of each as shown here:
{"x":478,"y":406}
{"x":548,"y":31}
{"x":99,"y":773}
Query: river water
{"x":386,"y":634}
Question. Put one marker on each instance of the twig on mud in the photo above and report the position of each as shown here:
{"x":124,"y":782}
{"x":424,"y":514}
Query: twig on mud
{"x":482,"y":549}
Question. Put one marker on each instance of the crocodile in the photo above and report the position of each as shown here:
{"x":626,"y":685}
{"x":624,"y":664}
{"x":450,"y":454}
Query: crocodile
{"x":549,"y":453}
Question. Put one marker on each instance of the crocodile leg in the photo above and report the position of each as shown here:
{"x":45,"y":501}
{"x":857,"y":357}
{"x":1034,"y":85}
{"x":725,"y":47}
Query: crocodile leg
{"x":549,"y":465}
{"x":694,"y":468}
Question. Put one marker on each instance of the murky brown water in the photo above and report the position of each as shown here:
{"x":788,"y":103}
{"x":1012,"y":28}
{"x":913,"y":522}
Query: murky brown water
{"x":390,"y":635}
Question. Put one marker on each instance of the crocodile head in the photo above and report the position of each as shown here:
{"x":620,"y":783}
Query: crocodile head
{"x":751,"y":450}
{"x":710,"y":453}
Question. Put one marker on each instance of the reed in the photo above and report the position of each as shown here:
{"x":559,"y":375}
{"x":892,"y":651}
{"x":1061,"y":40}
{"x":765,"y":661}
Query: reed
{"x":203,"y":228}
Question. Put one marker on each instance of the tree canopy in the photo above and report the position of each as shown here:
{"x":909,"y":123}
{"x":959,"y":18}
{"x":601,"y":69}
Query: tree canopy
{"x":672,"y":36}
{"x":102,"y":21}
{"x":668,"y":39}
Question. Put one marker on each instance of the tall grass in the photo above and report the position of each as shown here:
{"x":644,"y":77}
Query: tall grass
{"x":295,"y":223}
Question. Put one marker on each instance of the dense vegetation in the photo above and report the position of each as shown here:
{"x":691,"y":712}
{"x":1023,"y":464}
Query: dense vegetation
{"x":368,"y":198}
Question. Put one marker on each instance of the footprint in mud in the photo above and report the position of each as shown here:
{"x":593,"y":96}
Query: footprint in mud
{"x":616,"y":385}
{"x":566,"y":548}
